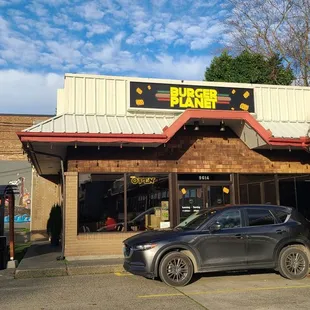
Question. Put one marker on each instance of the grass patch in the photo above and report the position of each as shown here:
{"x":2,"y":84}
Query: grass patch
{"x":20,"y":250}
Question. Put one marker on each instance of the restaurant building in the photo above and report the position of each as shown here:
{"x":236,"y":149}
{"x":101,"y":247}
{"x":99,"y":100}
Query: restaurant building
{"x":136,"y":154}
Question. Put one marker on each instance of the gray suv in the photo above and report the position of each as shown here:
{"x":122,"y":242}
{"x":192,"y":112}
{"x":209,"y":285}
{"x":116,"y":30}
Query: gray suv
{"x":227,"y":238}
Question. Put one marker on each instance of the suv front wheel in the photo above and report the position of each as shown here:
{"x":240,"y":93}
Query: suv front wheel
{"x":176,"y":269}
{"x":294,"y":262}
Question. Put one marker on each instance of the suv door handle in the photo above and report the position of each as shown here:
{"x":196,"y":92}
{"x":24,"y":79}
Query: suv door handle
{"x":280,"y":231}
{"x":239,"y":236}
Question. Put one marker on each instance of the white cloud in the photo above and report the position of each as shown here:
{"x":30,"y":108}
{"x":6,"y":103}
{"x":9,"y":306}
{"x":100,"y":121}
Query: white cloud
{"x":37,"y":9}
{"x":157,"y":38}
{"x":36,"y":92}
{"x":68,"y":52}
{"x":95,"y":29}
{"x":90,"y":11}
{"x":158,"y":3}
{"x":166,"y":66}
{"x":9,"y":2}
{"x":193,"y":31}
{"x":200,"y":44}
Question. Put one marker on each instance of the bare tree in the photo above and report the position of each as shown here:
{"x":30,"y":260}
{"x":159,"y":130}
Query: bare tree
{"x":273,"y":27}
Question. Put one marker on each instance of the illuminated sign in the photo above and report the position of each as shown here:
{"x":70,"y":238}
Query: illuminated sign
{"x":170,"y":96}
{"x":142,"y":180}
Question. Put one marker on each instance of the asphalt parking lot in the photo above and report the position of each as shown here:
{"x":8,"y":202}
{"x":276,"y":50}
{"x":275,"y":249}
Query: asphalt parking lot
{"x":257,"y":291}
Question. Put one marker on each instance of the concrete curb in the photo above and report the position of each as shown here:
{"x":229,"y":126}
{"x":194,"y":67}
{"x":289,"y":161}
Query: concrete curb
{"x":40,"y":273}
{"x":96,"y":269}
{"x":67,"y":270}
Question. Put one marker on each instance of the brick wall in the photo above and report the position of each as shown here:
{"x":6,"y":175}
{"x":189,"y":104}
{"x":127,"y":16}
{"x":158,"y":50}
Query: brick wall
{"x":208,"y":151}
{"x":189,"y":151}
{"x":10,"y":146}
{"x":44,"y":192}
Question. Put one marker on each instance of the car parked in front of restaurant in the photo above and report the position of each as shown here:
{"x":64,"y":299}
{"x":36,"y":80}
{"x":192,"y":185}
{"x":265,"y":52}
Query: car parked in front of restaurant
{"x":235,"y":237}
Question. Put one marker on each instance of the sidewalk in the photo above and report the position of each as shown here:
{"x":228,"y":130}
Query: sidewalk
{"x":41,"y":261}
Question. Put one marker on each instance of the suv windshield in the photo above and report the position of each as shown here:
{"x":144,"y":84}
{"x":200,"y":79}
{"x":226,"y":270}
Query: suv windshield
{"x":195,"y":220}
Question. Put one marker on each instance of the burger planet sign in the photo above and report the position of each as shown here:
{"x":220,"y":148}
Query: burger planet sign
{"x":181,"y":97}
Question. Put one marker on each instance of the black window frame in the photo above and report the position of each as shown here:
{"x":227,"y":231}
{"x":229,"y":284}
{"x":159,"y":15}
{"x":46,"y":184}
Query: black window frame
{"x":246,"y":217}
{"x":230,"y":210}
{"x":126,"y":176}
{"x":213,"y":220}
{"x":274,"y":212}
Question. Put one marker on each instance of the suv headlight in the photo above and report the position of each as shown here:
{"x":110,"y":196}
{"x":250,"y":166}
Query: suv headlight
{"x":143,"y":247}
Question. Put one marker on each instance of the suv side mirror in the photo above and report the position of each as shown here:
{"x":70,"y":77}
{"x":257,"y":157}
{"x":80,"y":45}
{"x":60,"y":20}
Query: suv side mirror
{"x":215,"y":227}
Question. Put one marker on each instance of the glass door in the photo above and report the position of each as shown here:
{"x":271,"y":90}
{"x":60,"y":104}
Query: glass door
{"x":191,"y":199}
{"x":218,"y":195}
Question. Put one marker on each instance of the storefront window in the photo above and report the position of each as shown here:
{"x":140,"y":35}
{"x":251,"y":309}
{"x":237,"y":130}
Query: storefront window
{"x":254,"y":193}
{"x":287,"y":192}
{"x":270,"y":192}
{"x":244,"y":194}
{"x":101,"y":203}
{"x":302,"y":191}
{"x":147,"y":201}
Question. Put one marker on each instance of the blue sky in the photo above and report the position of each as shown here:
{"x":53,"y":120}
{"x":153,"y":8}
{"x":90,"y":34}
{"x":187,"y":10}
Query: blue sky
{"x":41,"y":40}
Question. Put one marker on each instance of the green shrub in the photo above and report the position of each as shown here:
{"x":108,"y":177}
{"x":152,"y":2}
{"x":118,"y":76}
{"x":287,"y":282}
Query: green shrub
{"x":54,"y":224}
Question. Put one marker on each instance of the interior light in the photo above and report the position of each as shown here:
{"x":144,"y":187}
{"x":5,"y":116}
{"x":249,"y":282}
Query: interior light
{"x":196,"y":124}
{"x":222,"y":126}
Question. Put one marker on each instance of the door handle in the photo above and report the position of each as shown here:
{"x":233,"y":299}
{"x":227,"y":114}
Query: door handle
{"x":280,"y":231}
{"x":239,"y":236}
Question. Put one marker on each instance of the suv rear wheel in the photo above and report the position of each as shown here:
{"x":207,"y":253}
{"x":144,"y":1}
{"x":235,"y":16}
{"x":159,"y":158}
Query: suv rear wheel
{"x":176,"y":269}
{"x":294,"y":262}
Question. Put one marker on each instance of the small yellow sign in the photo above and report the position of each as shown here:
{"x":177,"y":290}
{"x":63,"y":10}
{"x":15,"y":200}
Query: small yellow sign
{"x":183,"y":190}
{"x":226,"y":190}
{"x":139,"y":102}
{"x":244,"y":107}
{"x":139,"y":90}
{"x":246,"y":94}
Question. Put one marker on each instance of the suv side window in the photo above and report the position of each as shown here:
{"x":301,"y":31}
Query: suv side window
{"x":281,"y":215}
{"x":260,"y":217}
{"x":230,"y":219}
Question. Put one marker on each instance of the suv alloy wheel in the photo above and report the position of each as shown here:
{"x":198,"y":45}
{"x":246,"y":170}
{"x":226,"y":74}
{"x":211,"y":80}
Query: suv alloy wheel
{"x":176,"y":269}
{"x":294,"y":262}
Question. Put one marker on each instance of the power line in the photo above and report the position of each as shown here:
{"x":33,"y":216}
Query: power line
{"x":16,"y":170}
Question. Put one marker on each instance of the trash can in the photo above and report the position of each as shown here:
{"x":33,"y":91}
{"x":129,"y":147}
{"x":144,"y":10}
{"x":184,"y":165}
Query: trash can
{"x":3,"y":253}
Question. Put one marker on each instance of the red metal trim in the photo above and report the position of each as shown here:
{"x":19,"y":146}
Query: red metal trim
{"x":92,"y":140}
{"x":218,"y":115}
{"x":89,"y":135}
{"x":168,"y":132}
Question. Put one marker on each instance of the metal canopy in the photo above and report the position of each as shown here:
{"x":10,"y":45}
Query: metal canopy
{"x":105,"y":124}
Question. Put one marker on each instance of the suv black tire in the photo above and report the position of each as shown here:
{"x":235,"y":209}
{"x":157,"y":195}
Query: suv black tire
{"x":293,"y":262}
{"x":176,"y":269}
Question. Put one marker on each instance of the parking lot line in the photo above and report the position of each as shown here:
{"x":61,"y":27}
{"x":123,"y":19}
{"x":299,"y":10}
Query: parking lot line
{"x":227,"y":291}
{"x":123,"y":274}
